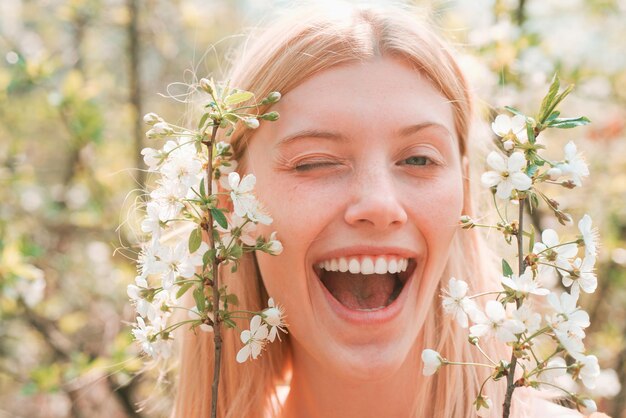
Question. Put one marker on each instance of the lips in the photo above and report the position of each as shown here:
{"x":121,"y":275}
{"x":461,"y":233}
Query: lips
{"x":369,"y":283}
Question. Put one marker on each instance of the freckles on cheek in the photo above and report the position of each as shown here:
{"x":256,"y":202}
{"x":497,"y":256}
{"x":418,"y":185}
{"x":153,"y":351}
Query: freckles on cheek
{"x":442,"y":206}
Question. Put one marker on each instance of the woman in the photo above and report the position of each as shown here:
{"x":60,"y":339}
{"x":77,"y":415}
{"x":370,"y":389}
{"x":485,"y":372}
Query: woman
{"x":367,"y":170}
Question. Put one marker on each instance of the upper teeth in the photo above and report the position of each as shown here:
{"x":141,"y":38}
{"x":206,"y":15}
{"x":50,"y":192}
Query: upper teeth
{"x":365,"y":265}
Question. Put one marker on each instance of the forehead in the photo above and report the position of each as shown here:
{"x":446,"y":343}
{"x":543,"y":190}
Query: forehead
{"x":382,"y":92}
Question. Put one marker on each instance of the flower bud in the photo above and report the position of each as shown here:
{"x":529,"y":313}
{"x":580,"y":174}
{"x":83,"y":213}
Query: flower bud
{"x":274,"y":246}
{"x":272,"y":116}
{"x":151,"y":118}
{"x":588,"y":406}
{"x":251,"y":123}
{"x":273,"y":97}
{"x":206,"y":85}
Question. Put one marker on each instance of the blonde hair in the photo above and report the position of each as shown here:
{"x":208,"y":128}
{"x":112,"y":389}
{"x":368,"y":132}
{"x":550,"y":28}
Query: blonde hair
{"x":296,"y":47}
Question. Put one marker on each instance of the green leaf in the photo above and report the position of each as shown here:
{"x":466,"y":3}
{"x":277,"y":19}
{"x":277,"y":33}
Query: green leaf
{"x":531,"y":170}
{"x":202,"y":191}
{"x":236,"y":252}
{"x":507,"y":271}
{"x":183,"y":289}
{"x":238,"y":97}
{"x":203,"y":120}
{"x":546,"y":103}
{"x":230,"y":323}
{"x":198,"y":296}
{"x":231,"y":299}
{"x":208,"y":257}
{"x":531,"y":242}
{"x":553,"y":116}
{"x":218,"y":215}
{"x":530,"y":133}
{"x":514,"y":110}
{"x":195,"y":239}
{"x":567,"y":123}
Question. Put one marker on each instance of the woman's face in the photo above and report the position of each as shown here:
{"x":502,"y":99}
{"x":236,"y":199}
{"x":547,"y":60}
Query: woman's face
{"x":361,"y":173}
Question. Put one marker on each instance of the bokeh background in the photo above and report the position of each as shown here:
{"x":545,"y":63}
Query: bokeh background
{"x":76,"y":76}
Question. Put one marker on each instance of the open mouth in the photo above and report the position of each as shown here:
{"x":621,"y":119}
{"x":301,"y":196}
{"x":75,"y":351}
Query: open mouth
{"x":365,"y":283}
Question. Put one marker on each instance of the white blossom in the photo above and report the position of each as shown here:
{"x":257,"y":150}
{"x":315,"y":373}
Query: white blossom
{"x":244,"y":201}
{"x":530,"y":319}
{"x":589,"y":235}
{"x":590,"y":370}
{"x":254,"y":340}
{"x":144,"y":308}
{"x":273,"y":316}
{"x":568,"y":322}
{"x":151,"y":338}
{"x":524,"y":284}
{"x":582,"y":278}
{"x":574,"y":164}
{"x":506,"y":126}
{"x":178,"y":262}
{"x":495,"y":322}
{"x":456,"y":303}
{"x":246,"y":229}
{"x":507,"y":175}
{"x":168,"y":197}
{"x":432,"y":361}
{"x":153,"y":158}
{"x":552,"y":251}
{"x":555,"y":368}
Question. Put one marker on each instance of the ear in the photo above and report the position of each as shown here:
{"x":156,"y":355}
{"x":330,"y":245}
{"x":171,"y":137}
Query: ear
{"x":467,"y":197}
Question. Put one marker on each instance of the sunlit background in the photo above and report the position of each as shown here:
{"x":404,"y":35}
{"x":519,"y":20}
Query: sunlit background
{"x":76,"y":76}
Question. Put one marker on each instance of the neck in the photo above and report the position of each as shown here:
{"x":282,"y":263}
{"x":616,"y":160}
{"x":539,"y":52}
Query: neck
{"x":317,"y":391}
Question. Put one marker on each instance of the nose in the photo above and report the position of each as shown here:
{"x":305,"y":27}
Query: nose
{"x":374,"y":200}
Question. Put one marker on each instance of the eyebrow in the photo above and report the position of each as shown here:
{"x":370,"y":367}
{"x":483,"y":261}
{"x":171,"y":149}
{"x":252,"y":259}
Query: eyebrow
{"x":316,"y":133}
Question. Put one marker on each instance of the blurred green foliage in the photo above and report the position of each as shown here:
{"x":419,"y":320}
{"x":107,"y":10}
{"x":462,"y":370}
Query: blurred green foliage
{"x":68,"y":144}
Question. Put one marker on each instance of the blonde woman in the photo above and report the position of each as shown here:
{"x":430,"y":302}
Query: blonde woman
{"x":367,"y":170}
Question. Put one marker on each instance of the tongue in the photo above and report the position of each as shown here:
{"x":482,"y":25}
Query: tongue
{"x":359,"y":291}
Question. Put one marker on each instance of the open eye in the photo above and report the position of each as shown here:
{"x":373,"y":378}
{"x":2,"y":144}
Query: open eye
{"x":417,"y":160}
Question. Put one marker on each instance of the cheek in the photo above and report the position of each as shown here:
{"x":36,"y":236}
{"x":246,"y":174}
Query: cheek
{"x":437,"y":210}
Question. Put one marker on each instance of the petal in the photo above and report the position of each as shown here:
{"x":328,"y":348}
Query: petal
{"x":570,"y":150}
{"x":496,"y":161}
{"x":495,"y":311}
{"x":243,"y":354}
{"x":255,"y":322}
{"x":504,"y":189}
{"x":245,"y":336}
{"x":261,"y":333}
{"x":457,"y":288}
{"x":550,"y":238}
{"x":501,"y":125}
{"x":479,"y":330}
{"x":490,"y":179}
{"x":505,"y":335}
{"x":507,"y":281}
{"x":521,"y":181}
{"x":518,"y":124}
{"x":567,"y":250}
{"x":233,"y":180}
{"x":516,"y":161}
{"x":247,"y":184}
{"x":256,"y":349}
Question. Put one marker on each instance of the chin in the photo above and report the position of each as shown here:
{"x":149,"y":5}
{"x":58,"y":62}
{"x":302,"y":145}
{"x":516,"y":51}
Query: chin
{"x":372,"y":362}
